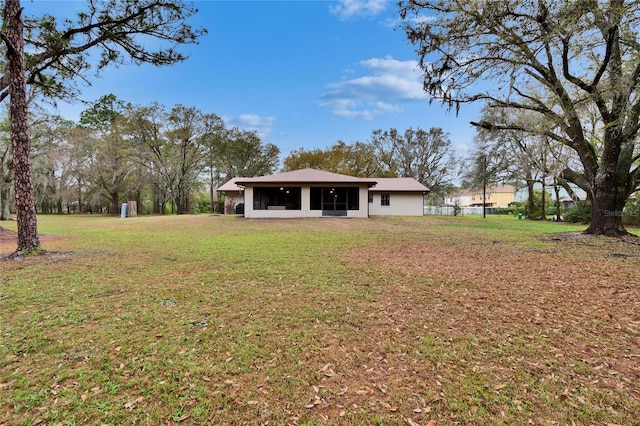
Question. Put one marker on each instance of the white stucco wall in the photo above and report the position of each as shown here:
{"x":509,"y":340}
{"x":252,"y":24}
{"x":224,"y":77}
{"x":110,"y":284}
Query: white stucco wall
{"x":233,"y":197}
{"x":305,"y":210}
{"x":400,"y":204}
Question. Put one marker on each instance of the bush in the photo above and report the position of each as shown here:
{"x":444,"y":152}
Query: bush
{"x":632,"y":213}
{"x":202,"y":203}
{"x":518,"y":207}
{"x":579,"y":213}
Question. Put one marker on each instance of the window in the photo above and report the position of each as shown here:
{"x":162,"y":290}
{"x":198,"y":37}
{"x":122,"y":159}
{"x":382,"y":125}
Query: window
{"x":370,"y":198}
{"x":385,"y":199}
{"x":277,"y":198}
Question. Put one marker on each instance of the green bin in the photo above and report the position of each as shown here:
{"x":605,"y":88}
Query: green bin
{"x":519,"y":216}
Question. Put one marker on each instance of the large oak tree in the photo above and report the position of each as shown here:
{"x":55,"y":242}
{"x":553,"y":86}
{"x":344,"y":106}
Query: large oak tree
{"x":556,"y":60}
{"x":358,"y":159}
{"x":115,"y":32}
{"x":425,"y":155}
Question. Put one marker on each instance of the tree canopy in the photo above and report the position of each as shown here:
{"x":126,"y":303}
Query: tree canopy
{"x":425,"y":155}
{"x":104,"y":33}
{"x":558,"y":60}
{"x":358,"y":159}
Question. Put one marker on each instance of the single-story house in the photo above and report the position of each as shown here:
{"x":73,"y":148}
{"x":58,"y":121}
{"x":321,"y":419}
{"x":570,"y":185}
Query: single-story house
{"x":316,"y":193}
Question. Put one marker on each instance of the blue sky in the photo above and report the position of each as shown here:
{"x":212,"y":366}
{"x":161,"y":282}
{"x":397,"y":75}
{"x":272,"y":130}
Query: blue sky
{"x":303,"y":74}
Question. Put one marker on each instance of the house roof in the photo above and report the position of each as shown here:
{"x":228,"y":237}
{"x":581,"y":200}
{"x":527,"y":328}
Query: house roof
{"x":581,"y":197}
{"x":461,"y":193}
{"x":490,"y":189}
{"x":230,"y":185}
{"x":306,"y":176}
{"x":319,"y":176}
{"x":501,"y":188}
{"x":406,"y":184}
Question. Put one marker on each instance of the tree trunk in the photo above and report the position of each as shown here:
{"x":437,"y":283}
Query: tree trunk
{"x":611,"y":186}
{"x":543,"y":208}
{"x":28,"y":239}
{"x":570,"y":192}
{"x":556,"y":189}
{"x":79,"y":195}
{"x":531,"y":200}
{"x":606,"y":213}
{"x":182,"y":200}
{"x":138,"y":199}
{"x":5,"y":213}
{"x":211,"y":191}
{"x":115,"y":206}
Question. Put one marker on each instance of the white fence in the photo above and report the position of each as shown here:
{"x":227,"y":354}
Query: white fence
{"x":448,"y":211}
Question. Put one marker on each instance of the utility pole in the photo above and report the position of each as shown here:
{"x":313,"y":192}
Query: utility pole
{"x":484,"y":187}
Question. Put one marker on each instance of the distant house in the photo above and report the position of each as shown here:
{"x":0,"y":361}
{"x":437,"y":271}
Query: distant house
{"x":499,"y":196}
{"x":461,"y":198}
{"x":523,"y":193}
{"x":316,"y":193}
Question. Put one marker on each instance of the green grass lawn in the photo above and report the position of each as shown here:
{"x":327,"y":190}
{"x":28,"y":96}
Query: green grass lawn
{"x":225,"y":320}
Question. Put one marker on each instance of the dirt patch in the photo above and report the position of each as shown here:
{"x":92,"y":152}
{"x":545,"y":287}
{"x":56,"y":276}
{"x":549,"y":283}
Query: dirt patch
{"x":9,"y":243}
{"x":7,"y":235}
{"x":582,"y":238}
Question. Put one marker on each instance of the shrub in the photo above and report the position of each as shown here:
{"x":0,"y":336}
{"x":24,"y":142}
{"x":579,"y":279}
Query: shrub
{"x":632,"y":212}
{"x":580,"y":212}
{"x":202,"y":203}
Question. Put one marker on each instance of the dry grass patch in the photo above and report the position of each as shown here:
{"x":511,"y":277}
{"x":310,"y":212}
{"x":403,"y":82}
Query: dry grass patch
{"x":221,"y":320}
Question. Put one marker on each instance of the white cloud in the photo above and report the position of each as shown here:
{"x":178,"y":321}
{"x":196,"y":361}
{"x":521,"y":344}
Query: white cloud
{"x":389,"y":83}
{"x":263,"y":126}
{"x":347,"y":9}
